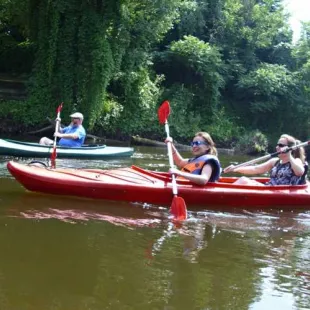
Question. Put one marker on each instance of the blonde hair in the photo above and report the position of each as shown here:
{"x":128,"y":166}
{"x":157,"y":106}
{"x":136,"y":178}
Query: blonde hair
{"x":297,"y":153}
{"x":207,"y":138}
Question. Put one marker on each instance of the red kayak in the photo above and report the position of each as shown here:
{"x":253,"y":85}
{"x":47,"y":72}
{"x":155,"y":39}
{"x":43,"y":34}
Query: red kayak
{"x":138,"y":185}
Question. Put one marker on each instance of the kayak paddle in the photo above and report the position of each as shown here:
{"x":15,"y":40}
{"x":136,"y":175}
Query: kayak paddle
{"x":275,"y":154}
{"x":178,"y":206}
{"x":54,"y":155}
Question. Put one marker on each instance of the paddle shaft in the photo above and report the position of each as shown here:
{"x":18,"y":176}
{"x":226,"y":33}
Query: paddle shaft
{"x":170,"y":156}
{"x":56,"y":128}
{"x":268,"y":156}
{"x":178,"y":206}
{"x":53,"y":155}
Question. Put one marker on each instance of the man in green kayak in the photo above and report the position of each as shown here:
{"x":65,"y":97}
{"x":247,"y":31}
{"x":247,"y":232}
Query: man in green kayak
{"x":70,"y":136}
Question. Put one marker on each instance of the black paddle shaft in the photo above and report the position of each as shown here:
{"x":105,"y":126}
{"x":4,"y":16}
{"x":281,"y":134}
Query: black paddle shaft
{"x":275,"y":154}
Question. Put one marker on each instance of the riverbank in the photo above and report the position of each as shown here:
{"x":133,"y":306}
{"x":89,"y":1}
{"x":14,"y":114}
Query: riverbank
{"x":12,"y":130}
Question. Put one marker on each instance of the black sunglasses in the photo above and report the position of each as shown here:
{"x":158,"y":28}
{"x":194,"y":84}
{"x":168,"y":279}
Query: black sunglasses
{"x":281,"y":145}
{"x":197,"y":143}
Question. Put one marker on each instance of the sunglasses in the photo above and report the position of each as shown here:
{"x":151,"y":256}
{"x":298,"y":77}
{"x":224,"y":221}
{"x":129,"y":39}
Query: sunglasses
{"x":197,"y":143}
{"x":281,"y":145}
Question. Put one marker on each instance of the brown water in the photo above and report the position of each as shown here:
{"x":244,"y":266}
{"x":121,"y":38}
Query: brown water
{"x":64,"y":253}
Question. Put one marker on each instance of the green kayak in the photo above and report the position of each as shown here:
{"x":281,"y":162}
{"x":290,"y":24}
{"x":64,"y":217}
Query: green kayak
{"x":27,"y":149}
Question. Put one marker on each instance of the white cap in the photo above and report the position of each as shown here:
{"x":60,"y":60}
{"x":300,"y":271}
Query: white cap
{"x":77,"y":115}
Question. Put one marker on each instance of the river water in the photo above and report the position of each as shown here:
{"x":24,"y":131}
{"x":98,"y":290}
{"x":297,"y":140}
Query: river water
{"x":61,"y":253}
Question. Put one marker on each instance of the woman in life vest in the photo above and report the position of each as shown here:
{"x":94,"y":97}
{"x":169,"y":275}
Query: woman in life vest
{"x":290,"y":168}
{"x":204,"y":166}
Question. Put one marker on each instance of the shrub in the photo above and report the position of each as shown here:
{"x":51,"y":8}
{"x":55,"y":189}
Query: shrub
{"x":252,"y":143}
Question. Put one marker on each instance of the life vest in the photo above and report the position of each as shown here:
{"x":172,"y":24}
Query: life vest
{"x":196,"y":164}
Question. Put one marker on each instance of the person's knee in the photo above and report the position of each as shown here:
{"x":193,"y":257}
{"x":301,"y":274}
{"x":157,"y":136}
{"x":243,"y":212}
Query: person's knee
{"x":42,"y":140}
{"x":45,"y":141}
{"x":242,"y":180}
{"x":247,"y":181}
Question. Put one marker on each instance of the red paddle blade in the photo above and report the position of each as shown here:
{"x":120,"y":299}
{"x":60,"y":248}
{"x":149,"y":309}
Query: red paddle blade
{"x":164,"y":112}
{"x":178,"y":208}
{"x":53,"y":158}
{"x":58,"y":110}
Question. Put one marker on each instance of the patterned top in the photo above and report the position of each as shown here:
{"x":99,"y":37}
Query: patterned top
{"x":283,"y":174}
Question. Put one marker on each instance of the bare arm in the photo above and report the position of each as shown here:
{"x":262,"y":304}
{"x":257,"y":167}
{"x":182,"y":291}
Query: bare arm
{"x":200,"y":179}
{"x":297,"y":166}
{"x":178,"y":159}
{"x":256,"y":169}
{"x":72,"y":136}
{"x":67,"y":135}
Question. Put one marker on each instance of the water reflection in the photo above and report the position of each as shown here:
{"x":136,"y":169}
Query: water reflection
{"x":67,"y":253}
{"x":215,"y":260}
{"x":71,"y":209}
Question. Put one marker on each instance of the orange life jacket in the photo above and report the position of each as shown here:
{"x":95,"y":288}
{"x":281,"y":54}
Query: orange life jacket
{"x":196,"y":164}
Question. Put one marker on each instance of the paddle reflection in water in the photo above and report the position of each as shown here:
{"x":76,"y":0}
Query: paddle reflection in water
{"x":192,"y":236}
{"x":214,"y":260}
{"x":265,"y":254}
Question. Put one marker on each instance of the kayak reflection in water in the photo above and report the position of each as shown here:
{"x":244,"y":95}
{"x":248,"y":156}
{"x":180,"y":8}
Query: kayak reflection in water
{"x":204,"y":167}
{"x":290,"y":168}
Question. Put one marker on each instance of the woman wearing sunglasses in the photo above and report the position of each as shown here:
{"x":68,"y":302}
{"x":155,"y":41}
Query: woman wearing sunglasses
{"x":290,"y":168}
{"x":204,"y":166}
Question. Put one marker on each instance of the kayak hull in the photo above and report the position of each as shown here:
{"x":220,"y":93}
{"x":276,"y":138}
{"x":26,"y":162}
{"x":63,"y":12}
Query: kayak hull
{"x":26,"y":149}
{"x":138,"y":185}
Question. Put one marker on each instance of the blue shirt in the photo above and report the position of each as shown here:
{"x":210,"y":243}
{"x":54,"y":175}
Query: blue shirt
{"x":77,"y":130}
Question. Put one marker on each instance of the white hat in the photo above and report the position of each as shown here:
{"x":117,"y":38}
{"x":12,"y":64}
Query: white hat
{"x":77,"y":115}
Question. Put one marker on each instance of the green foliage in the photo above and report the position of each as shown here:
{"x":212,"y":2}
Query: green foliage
{"x":112,"y":113}
{"x":17,"y":58}
{"x":252,"y":143}
{"x":272,"y":94}
{"x":250,"y":33}
{"x":253,"y":23}
{"x":16,"y":51}
{"x":203,"y":59}
{"x":195,"y":66}
{"x":134,"y":110}
{"x":87,"y":50}
{"x":223,"y":128}
{"x":301,"y":54}
{"x":184,"y":122}
{"x":266,"y":85}
{"x":15,"y":110}
{"x":14,"y":19}
{"x":226,"y":66}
